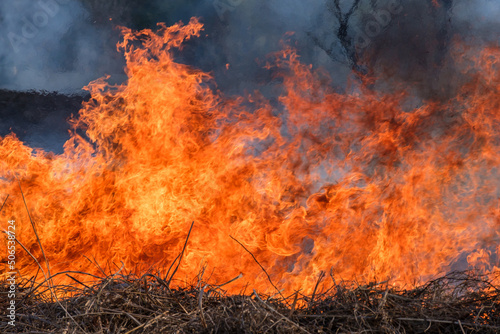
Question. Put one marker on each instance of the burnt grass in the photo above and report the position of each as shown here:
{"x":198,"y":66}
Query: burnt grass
{"x":38,"y":118}
{"x":461,"y":302}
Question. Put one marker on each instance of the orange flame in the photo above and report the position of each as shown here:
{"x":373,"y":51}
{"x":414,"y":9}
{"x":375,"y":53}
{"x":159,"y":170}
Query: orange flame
{"x":352,"y":183}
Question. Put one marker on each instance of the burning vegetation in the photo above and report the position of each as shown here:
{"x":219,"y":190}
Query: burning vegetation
{"x":364,"y":185}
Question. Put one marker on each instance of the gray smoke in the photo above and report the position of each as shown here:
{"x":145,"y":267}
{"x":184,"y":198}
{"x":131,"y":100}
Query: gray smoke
{"x":417,"y":47}
{"x":52,"y":45}
{"x":61,"y":45}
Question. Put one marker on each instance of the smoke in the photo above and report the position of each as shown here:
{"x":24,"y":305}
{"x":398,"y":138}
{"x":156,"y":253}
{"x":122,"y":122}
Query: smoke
{"x":478,"y":18}
{"x":404,"y":43}
{"x":52,"y":45}
{"x":417,"y":48}
{"x":240,"y":34}
{"x":61,"y":45}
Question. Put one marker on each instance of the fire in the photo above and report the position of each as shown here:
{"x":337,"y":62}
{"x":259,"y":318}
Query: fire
{"x":352,"y":184}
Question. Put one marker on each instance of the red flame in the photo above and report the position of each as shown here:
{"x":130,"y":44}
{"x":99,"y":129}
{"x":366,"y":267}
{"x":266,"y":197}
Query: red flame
{"x":353,"y":183}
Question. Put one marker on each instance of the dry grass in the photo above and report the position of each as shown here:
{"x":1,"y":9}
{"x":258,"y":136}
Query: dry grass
{"x":123,"y":303}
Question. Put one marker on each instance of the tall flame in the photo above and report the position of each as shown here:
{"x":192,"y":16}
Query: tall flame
{"x":359,"y":184}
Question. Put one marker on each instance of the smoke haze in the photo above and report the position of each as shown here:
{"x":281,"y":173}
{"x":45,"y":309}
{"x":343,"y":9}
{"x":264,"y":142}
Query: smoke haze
{"x":62,"y":45}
